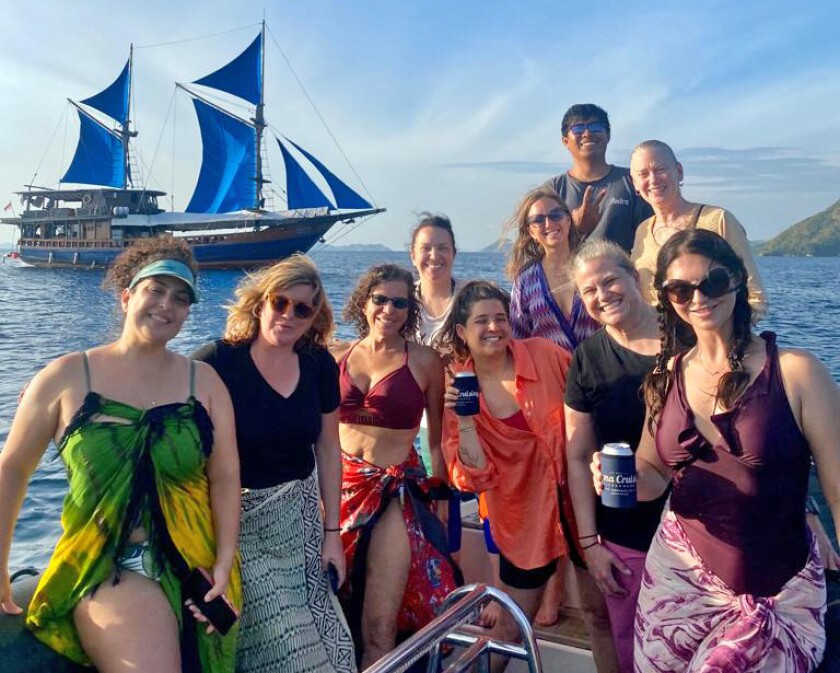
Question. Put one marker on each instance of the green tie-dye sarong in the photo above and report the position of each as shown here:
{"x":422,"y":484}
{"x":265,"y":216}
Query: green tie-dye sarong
{"x":127,"y":465}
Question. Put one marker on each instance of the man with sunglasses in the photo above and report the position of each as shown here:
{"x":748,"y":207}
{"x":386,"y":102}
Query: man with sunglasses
{"x":601,"y":196}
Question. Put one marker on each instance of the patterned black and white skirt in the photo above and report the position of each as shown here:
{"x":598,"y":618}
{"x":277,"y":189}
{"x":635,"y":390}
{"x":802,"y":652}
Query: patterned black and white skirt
{"x":291,"y":620}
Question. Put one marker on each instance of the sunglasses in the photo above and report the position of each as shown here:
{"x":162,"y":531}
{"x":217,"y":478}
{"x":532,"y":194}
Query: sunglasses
{"x":716,"y":284}
{"x":398,"y":303}
{"x":301,"y":309}
{"x":555,"y":216}
{"x":593,"y":127}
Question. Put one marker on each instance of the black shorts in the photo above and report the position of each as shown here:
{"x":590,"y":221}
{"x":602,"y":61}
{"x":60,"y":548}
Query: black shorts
{"x":525,"y":579}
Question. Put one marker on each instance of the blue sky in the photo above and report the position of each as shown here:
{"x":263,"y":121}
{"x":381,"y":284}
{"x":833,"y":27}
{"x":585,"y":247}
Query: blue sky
{"x":454,"y":107}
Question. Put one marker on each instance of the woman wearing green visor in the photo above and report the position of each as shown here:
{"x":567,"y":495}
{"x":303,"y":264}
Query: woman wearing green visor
{"x":147,"y":438}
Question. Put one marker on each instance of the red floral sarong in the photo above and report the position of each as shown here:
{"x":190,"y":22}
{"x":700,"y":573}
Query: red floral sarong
{"x":366,"y":492}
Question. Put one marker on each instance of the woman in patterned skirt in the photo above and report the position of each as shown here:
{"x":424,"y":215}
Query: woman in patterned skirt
{"x":284,"y":386}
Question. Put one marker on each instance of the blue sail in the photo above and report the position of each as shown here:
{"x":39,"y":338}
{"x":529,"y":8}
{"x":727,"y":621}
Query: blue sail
{"x":301,"y":192}
{"x":344,"y":196}
{"x":113,"y":101}
{"x":228,"y":166}
{"x":99,"y":158}
{"x":242,"y":76}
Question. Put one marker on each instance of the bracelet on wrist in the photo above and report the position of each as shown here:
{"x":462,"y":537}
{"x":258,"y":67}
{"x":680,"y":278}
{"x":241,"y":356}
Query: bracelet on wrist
{"x":586,"y":537}
{"x":332,"y":530}
{"x":590,"y":545}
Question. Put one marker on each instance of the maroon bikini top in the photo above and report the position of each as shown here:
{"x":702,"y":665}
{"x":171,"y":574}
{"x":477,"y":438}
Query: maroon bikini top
{"x":395,"y":401}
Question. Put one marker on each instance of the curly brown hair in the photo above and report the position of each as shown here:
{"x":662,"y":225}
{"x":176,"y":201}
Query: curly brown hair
{"x":243,"y":321}
{"x":354,"y":309}
{"x":526,"y":251}
{"x":144,"y":252}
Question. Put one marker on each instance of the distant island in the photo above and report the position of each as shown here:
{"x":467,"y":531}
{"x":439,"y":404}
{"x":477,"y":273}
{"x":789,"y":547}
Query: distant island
{"x":494,"y":247}
{"x":361,"y":247}
{"x":815,"y":236}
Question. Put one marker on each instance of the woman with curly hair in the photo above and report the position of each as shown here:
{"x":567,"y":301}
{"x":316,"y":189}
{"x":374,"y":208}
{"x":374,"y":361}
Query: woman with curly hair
{"x":733,"y":579}
{"x":400,"y":570}
{"x":147,"y":438}
{"x":284,"y":386}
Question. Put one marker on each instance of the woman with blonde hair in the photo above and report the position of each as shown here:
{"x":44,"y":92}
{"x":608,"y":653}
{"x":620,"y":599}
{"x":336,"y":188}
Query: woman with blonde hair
{"x":284,"y":386}
{"x":545,"y":303}
{"x":658,"y":178}
{"x":543,"y":299}
{"x":603,"y":404}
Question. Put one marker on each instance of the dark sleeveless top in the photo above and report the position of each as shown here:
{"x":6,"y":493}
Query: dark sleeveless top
{"x":395,"y":401}
{"x":741,"y":500}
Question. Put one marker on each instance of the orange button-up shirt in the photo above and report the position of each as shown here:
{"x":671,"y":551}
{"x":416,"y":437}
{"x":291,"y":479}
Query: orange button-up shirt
{"x":524,"y":468}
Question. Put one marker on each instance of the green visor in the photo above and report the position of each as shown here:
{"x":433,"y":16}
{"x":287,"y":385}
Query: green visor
{"x":168,"y":267}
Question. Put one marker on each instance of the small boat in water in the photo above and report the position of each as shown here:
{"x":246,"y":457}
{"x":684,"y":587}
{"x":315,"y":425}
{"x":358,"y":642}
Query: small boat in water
{"x":225,"y":222}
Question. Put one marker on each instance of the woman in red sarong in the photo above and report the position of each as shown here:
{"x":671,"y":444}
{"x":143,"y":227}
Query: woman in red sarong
{"x":397,"y":553}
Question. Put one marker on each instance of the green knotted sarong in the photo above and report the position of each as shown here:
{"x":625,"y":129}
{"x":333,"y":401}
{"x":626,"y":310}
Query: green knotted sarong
{"x":128,"y":466}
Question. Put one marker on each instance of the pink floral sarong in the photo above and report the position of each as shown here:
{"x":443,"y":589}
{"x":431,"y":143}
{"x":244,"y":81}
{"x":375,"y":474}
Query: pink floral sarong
{"x":689,"y":621}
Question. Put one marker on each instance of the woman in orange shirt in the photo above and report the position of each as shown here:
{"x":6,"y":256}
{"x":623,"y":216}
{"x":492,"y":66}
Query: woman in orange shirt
{"x":513,"y":450}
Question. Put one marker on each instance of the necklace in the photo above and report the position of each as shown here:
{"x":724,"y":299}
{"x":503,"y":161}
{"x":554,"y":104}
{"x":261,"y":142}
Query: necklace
{"x":716,"y":372}
{"x":662,"y":232}
{"x":682,"y":222}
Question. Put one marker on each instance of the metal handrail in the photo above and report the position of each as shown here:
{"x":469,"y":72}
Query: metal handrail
{"x":462,"y":607}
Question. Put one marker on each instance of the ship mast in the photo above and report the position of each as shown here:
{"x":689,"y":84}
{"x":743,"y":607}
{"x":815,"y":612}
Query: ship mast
{"x":125,"y":133}
{"x":259,"y":126}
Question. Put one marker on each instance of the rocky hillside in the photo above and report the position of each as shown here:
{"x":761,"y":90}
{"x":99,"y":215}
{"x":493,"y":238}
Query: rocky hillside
{"x":818,"y":235}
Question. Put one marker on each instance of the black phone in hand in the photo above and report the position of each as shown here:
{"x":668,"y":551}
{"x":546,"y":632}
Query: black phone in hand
{"x":219,"y":612}
{"x":332,"y":576}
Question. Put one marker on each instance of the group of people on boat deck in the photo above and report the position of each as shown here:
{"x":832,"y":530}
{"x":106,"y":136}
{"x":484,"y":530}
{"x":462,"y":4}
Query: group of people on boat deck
{"x":284,"y":463}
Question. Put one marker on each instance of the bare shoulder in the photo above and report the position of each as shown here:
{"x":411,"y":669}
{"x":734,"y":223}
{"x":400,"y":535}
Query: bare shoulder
{"x":61,"y":384}
{"x":801,"y":368}
{"x":425,"y":356}
{"x":206,"y":378}
{"x":64,"y":373}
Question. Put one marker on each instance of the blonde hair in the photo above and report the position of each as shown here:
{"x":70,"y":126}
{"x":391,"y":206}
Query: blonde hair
{"x":243,"y":321}
{"x":601,"y":248}
{"x":526,"y":251}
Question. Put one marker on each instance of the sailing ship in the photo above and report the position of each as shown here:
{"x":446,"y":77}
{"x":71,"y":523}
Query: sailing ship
{"x":225,"y":222}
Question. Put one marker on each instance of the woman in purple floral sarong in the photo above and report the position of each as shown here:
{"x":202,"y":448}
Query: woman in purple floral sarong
{"x":733,"y":580}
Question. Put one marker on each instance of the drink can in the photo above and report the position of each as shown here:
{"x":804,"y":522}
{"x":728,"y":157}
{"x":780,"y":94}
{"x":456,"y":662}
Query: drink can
{"x":618,"y":468}
{"x":467,"y":385}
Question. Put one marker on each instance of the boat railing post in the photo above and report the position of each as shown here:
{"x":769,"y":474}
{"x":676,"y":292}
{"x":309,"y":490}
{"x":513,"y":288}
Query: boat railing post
{"x":462,"y":607}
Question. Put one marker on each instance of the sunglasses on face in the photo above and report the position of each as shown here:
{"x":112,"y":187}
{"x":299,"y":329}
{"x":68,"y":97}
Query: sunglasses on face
{"x":398,"y":303}
{"x":593,"y":127}
{"x":556,"y":215}
{"x":716,"y":284}
{"x":300,"y":309}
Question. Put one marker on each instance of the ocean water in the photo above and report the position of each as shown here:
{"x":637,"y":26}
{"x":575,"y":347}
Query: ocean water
{"x":47,"y":312}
